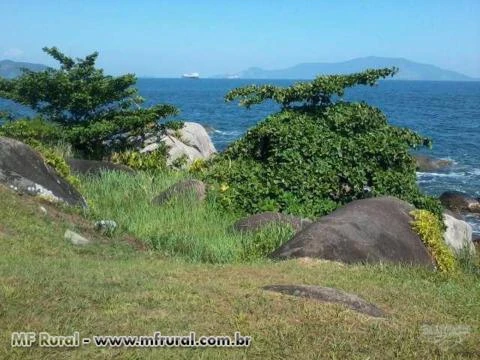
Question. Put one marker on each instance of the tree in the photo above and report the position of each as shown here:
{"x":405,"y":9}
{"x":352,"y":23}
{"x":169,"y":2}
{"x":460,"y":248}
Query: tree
{"x":317,"y":152}
{"x":90,"y":105}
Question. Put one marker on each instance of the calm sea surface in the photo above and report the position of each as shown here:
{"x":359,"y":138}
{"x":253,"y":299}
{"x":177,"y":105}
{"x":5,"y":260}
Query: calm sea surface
{"x":447,"y":112}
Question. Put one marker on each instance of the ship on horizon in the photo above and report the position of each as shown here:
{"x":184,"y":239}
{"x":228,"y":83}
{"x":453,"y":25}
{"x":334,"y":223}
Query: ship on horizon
{"x":193,"y":75}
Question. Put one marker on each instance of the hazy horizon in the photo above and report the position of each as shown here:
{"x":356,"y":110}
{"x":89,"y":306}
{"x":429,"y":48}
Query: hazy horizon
{"x":164,"y":39}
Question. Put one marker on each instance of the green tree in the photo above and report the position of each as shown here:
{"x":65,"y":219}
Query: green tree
{"x":317,"y":152}
{"x":89,"y":105}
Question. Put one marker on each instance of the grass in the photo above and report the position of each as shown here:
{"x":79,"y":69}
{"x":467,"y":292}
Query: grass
{"x":116,"y":287}
{"x":183,"y":227}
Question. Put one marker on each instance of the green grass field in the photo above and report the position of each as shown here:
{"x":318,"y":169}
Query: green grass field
{"x":180,"y":268}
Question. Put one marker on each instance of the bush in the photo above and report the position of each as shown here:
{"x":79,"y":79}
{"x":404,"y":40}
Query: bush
{"x":33,"y":130}
{"x":430,"y":229}
{"x":154,"y":160}
{"x":316,"y":154}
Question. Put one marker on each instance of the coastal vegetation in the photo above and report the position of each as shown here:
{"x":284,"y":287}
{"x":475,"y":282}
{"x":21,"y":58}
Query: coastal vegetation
{"x":80,"y":105}
{"x":318,"y":152}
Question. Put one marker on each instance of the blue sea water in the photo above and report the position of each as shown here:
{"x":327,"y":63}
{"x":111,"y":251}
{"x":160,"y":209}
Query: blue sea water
{"x":447,"y":112}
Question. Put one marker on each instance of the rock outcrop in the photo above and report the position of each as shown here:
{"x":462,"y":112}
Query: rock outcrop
{"x":371,"y":230}
{"x":429,"y":164}
{"x":24,"y":170}
{"x":459,"y":202}
{"x":191,"y":142}
{"x":458,"y":235}
{"x":258,"y":221}
{"x":93,"y":167}
{"x":194,"y":188}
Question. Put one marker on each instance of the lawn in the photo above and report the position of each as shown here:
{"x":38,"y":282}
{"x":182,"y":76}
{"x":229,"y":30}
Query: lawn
{"x":139,"y":281}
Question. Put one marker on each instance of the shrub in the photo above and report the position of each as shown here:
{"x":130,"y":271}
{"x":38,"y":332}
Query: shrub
{"x":154,"y":160}
{"x":430,"y":229}
{"x":31,"y":130}
{"x":316,"y":154}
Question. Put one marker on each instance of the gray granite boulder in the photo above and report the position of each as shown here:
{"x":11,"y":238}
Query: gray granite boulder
{"x":24,"y":170}
{"x":428,"y":164}
{"x":94,"y":167}
{"x":459,"y":202}
{"x":256,"y":222}
{"x":194,"y":188}
{"x":370,"y":230}
{"x":458,"y":235}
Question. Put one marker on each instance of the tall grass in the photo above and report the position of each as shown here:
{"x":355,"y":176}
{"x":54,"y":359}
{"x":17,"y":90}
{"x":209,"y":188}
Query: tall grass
{"x":182,"y":227}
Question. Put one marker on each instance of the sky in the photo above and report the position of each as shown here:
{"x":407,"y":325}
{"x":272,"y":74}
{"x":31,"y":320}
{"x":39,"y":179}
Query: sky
{"x":161,"y":38}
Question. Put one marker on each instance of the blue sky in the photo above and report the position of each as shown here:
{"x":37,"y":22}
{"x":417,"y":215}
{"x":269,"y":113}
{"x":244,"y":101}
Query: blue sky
{"x":168,"y":38}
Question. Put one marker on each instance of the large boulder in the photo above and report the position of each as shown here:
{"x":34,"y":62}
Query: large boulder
{"x":93,"y":167}
{"x":258,"y":221}
{"x":458,"y":234}
{"x":459,"y":202}
{"x":191,"y":142}
{"x":427,"y":164}
{"x":194,"y":188}
{"x":371,"y":230}
{"x":24,"y":170}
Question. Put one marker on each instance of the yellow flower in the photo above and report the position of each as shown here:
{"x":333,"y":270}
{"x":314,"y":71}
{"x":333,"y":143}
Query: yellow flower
{"x":224,"y":187}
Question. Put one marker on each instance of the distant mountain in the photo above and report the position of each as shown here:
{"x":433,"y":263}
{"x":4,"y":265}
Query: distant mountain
{"x":409,"y":70}
{"x":10,"y":69}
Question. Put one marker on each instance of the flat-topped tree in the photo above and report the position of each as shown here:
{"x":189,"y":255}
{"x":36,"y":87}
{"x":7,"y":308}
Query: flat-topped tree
{"x":314,"y":93}
{"x":79,"y":96}
{"x":316,"y":153}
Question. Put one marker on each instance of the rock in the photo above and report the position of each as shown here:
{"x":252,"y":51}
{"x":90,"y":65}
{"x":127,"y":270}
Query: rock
{"x":93,"y":167}
{"x":75,"y":239}
{"x":371,"y":230}
{"x":428,"y":164}
{"x":328,"y":295}
{"x":182,"y":188}
{"x":458,"y":234}
{"x":191,"y":142}
{"x":105,"y":226}
{"x":24,"y":170}
{"x":460,"y":202}
{"x":257,"y":221}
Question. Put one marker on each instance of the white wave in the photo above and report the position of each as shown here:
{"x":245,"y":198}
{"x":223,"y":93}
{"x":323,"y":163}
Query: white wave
{"x":429,"y":174}
{"x":228,"y":133}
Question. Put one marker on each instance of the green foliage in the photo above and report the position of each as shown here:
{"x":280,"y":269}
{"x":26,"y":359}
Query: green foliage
{"x":55,"y":159}
{"x":316,"y":92}
{"x":154,"y":160}
{"x":92,"y":106}
{"x":264,"y":242}
{"x":310,"y":158}
{"x":430,"y":229}
{"x":36,"y":129}
{"x":174,"y":125}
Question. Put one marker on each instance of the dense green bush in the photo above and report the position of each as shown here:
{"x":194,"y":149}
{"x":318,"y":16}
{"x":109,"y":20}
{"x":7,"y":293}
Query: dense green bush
{"x":315,"y":153}
{"x":90,"y":105}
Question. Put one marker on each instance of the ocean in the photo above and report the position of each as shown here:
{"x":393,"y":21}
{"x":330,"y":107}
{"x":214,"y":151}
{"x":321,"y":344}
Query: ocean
{"x":447,"y":112}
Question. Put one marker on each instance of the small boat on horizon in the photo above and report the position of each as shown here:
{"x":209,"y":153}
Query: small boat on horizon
{"x":193,"y":75}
